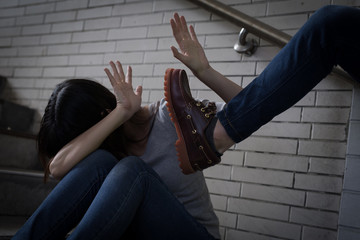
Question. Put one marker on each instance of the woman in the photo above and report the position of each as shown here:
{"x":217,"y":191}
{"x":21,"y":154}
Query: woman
{"x":85,"y":131}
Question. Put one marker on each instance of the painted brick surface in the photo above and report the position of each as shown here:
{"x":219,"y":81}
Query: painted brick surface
{"x":285,"y":181}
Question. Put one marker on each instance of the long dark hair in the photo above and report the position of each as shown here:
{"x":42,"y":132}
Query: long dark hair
{"x":74,"y":106}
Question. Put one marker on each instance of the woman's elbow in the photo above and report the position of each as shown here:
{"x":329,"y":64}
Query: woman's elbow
{"x":56,"y":171}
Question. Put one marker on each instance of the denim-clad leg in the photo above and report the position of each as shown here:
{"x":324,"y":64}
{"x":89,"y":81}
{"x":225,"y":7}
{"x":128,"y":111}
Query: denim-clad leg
{"x":134,"y":197}
{"x":330,"y":37}
{"x":68,"y":201}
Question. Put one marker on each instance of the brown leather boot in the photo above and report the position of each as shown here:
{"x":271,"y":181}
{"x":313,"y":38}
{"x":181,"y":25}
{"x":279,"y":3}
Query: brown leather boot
{"x":190,"y":118}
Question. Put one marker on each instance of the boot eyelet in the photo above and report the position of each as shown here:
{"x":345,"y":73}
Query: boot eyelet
{"x":188,"y":117}
{"x":193,"y":131}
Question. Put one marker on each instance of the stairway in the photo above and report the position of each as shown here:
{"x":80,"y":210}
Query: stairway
{"x":21,"y":181}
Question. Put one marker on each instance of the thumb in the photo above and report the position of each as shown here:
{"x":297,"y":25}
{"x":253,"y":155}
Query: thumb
{"x":176,"y":53}
{"x":138,"y":91}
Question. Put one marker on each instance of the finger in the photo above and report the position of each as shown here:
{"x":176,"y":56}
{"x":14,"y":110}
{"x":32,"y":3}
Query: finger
{"x":184,"y":28}
{"x":193,"y":34}
{"x":175,"y":29}
{"x":115,"y":71}
{"x":129,"y":75}
{"x":121,"y":71}
{"x":177,"y":54}
{"x":110,"y":76}
{"x":138,"y":91}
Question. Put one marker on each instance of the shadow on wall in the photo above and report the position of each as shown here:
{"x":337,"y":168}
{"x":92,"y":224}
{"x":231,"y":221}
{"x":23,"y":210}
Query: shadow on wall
{"x":14,"y":117}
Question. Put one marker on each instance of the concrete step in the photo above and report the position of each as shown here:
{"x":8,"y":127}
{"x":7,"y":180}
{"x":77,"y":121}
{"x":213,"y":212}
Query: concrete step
{"x":18,"y":150}
{"x":22,"y":191}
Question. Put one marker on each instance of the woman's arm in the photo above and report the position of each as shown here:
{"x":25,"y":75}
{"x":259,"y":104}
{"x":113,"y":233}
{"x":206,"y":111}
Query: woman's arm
{"x":193,"y":56}
{"x":128,"y":102}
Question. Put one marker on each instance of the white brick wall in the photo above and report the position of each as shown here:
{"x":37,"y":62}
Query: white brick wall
{"x":284,"y":182}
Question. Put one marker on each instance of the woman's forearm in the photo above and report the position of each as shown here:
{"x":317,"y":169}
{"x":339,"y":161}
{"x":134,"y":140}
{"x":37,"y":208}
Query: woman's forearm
{"x":221,"y":85}
{"x":85,"y":143}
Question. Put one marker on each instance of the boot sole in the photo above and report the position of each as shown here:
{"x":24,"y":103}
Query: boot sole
{"x":183,"y":157}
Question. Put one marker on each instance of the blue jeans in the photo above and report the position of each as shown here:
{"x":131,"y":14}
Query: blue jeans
{"x":330,"y":37}
{"x":108,"y":199}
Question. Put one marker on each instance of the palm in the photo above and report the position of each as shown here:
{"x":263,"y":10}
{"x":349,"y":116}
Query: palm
{"x":192,"y":53}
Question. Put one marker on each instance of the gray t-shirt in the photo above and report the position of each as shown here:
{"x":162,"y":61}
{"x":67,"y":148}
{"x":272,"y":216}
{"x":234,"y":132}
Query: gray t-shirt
{"x":191,"y":190}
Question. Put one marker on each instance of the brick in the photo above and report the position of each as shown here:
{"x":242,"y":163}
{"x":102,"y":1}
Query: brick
{"x":136,"y":45}
{"x":273,"y":194}
{"x":133,"y":8}
{"x":253,"y":10}
{"x":327,"y":166}
{"x":286,"y":22}
{"x":94,"y":12}
{"x":323,"y":201}
{"x":291,"y":130}
{"x":52,"y":61}
{"x":233,"y":158}
{"x":329,"y":132}
{"x":216,"y":55}
{"x":36,"y":29}
{"x":29,"y":20}
{"x":322,"y":148}
{"x":224,"y":40}
{"x":334,"y":99}
{"x":171,"y":5}
{"x":222,"y":187}
{"x":326,"y":115}
{"x":8,"y":52}
{"x":86,"y":59}
{"x":269,"y":227}
{"x":219,"y":202}
{"x":101,"y":47}
{"x":26,"y":41}
{"x":92,"y":24}
{"x":219,"y":27}
{"x":314,"y":217}
{"x":232,"y":234}
{"x":40,"y":8}
{"x":334,"y":82}
{"x":127,"y":33}
{"x":270,"y":177}
{"x":307,"y":100}
{"x":277,"y":8}
{"x":89,"y":36}
{"x":124,"y":57}
{"x":259,"y":209}
{"x":12,"y":12}
{"x":63,"y":49}
{"x":242,"y":68}
{"x":22,"y":83}
{"x":29,"y":2}
{"x":355,"y":109}
{"x":6,"y":4}
{"x":59,"y":72}
{"x":7,"y":22}
{"x":28,"y":72}
{"x":159,"y":57}
{"x":10,"y":31}
{"x":318,"y":183}
{"x":280,"y":162}
{"x":218,"y":172}
{"x":56,"y":38}
{"x":71,"y":5}
{"x":89,"y":71}
{"x":22,"y":61}
{"x":274,"y":145}
{"x":67,"y":27}
{"x":293,"y":114}
{"x":156,"y":31}
{"x":319,"y":234}
{"x":153,"y":83}
{"x":226,"y":219}
{"x":156,"y":95}
{"x":95,"y":3}
{"x":31,"y":51}
{"x":209,"y":95}
{"x":143,"y":70}
{"x":142,"y":20}
{"x":192,"y":15}
{"x":27,"y":93}
{"x":60,"y":17}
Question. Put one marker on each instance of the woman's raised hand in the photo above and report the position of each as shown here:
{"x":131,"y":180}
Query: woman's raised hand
{"x":191,"y":52}
{"x":126,"y":97}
